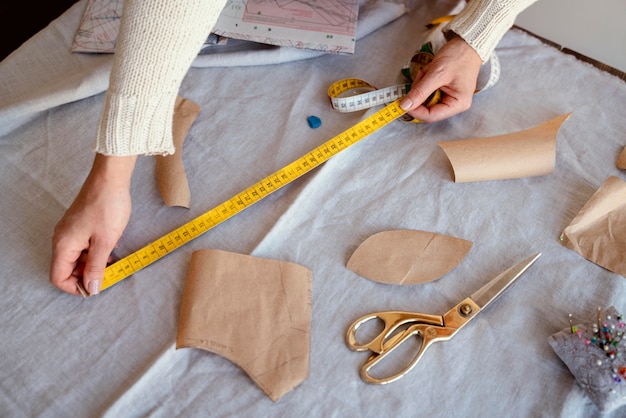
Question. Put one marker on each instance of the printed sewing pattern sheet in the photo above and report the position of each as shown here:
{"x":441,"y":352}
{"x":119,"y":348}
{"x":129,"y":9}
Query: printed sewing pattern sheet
{"x":324,"y":25}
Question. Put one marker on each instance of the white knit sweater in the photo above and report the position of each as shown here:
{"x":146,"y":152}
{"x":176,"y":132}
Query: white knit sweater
{"x":482,"y":23}
{"x":159,"y":39}
{"x":157,"y":42}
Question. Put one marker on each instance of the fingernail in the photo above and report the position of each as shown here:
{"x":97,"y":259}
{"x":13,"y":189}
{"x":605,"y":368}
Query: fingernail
{"x":81,"y":290}
{"x":406,"y":104}
{"x":94,"y":287}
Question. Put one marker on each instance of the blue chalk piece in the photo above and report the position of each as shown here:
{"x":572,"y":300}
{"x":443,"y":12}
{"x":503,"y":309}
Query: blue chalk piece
{"x":314,"y":121}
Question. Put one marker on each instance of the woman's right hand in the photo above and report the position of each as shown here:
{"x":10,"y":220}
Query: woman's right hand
{"x":454,"y":70}
{"x":90,"y":229}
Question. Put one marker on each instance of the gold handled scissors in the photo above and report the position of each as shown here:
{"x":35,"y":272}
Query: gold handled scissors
{"x":399,"y":326}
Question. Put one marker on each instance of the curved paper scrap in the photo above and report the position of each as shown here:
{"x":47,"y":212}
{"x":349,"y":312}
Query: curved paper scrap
{"x":253,"y":311}
{"x":407,"y":257}
{"x":598,"y":232}
{"x":527,"y":153}
{"x":170,"y":171}
{"x":621,"y":160}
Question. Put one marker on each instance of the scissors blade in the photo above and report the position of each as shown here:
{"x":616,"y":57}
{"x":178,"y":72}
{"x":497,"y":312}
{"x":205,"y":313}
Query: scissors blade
{"x":492,"y":290}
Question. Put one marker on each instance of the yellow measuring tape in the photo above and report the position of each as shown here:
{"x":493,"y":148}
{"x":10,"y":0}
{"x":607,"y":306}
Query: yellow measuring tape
{"x":152,"y":252}
{"x":362,"y":96}
{"x":357,"y":100}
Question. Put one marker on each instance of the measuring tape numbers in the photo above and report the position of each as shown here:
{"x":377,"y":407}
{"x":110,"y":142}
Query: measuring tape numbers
{"x":347,"y":95}
{"x":168,"y":243}
{"x":362,"y":95}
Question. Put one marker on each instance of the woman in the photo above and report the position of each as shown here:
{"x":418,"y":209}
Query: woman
{"x":157,"y":43}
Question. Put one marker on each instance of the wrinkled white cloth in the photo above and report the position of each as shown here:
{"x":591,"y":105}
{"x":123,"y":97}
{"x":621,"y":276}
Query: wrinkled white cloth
{"x":113,"y":355}
{"x":29,"y":88}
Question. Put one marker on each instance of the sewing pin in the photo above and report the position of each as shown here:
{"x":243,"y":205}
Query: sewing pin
{"x":571,"y":325}
{"x":599,"y":317}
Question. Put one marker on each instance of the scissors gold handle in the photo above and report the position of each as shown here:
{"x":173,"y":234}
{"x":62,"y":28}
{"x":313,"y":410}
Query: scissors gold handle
{"x":398,"y":327}
{"x":391,"y":320}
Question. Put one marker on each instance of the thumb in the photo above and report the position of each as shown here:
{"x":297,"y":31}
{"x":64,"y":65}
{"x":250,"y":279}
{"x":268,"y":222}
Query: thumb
{"x":420,"y":93}
{"x":97,"y":258}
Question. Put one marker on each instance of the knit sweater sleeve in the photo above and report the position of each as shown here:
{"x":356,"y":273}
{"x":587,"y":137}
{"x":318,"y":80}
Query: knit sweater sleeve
{"x":482,"y":23}
{"x":157,"y":42}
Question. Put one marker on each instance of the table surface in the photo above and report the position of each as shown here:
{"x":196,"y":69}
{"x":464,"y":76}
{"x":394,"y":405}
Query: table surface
{"x":114,"y":354}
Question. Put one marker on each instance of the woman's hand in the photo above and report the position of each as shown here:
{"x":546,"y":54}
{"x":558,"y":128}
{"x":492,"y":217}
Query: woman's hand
{"x":90,"y":229}
{"x":454,"y":70}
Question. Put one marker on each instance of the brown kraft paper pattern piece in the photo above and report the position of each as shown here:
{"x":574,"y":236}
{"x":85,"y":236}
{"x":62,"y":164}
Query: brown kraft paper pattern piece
{"x":255,"y":312}
{"x":598,"y":231}
{"x":407,"y":257}
{"x":527,"y":153}
{"x":170,"y":171}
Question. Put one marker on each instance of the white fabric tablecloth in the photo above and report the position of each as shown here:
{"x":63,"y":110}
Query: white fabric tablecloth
{"x":113,"y":355}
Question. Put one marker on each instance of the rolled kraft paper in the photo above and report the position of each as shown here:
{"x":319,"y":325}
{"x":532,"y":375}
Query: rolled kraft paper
{"x":598,"y":231}
{"x":170,"y":171}
{"x":621,"y":160}
{"x":254,"y":311}
{"x":407,"y":257}
{"x":527,"y":153}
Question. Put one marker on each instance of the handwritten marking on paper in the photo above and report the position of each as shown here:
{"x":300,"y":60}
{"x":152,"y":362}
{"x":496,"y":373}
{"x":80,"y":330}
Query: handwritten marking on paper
{"x":210,"y":344}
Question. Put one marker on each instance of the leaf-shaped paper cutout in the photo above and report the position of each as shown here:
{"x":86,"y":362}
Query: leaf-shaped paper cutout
{"x":407,"y":256}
